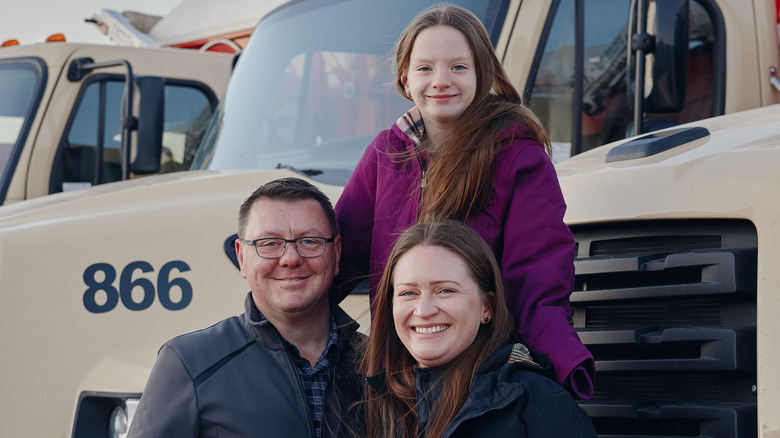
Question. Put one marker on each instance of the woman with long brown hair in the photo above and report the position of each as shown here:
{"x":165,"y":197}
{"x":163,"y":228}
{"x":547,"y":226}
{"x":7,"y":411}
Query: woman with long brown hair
{"x":440,"y":358}
{"x":469,"y":150}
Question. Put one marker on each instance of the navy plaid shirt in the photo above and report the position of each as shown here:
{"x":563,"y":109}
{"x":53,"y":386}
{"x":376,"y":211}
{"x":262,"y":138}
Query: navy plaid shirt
{"x":315,"y":380}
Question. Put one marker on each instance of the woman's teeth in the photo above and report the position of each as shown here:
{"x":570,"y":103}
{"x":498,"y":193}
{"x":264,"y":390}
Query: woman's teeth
{"x":429,"y":330}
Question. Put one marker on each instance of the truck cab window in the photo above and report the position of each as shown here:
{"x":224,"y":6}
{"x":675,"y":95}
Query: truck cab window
{"x":187,"y":112}
{"x":90,"y":152}
{"x":315,"y":102}
{"x":20,"y":88}
{"x":606,"y":115}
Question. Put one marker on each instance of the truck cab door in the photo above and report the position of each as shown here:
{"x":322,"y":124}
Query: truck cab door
{"x":22,"y":83}
{"x":89,"y":150}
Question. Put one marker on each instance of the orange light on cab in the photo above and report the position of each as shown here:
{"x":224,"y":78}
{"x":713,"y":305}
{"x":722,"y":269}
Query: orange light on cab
{"x":7,"y":43}
{"x":56,"y":38}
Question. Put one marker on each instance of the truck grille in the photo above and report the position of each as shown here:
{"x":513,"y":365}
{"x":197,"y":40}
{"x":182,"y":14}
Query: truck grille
{"x":668,"y":309}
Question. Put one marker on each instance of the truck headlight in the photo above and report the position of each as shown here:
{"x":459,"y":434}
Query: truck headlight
{"x":104,"y":414}
{"x":121,"y":418}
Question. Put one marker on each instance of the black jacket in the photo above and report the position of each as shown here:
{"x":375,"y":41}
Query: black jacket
{"x":510,"y":397}
{"x":237,"y":379}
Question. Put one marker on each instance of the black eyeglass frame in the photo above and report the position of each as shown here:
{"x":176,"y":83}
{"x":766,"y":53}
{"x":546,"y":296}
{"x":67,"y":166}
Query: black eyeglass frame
{"x":286,"y":241}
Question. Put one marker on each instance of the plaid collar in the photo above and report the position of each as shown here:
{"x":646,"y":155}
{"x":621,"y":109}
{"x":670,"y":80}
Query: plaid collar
{"x":315,"y":379}
{"x":412,"y":125}
{"x":323,"y":361}
{"x":333,"y":341}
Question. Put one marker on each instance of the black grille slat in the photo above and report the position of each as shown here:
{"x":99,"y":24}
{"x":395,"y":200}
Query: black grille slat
{"x":716,"y":272}
{"x":663,"y":389}
{"x":662,"y":314}
{"x":638,"y":428}
{"x":638,"y":279}
{"x":654,"y":245}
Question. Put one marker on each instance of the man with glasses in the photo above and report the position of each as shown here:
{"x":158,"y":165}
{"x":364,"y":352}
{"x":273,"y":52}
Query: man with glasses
{"x":286,"y":367}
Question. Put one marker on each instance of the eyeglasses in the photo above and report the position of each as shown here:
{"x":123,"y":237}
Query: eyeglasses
{"x":274,"y":247}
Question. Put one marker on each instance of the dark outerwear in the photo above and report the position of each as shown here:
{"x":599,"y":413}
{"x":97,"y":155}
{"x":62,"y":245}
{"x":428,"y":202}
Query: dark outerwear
{"x":237,"y":379}
{"x":511,"y":395}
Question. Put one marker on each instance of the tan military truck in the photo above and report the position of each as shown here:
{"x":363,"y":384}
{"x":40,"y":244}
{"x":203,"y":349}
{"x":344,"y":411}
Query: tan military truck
{"x":122,"y":267}
{"x":69,"y":117}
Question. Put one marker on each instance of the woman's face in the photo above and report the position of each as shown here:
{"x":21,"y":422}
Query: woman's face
{"x":441,"y":77}
{"x":437,"y":305}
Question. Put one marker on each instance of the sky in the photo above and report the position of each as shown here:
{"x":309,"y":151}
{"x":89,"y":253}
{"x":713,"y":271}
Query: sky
{"x":31,"y":21}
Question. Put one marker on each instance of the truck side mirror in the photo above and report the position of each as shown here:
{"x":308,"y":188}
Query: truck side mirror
{"x":666,"y":45}
{"x":150,"y":116}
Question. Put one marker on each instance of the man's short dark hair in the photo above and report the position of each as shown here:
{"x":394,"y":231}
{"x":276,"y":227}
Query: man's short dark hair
{"x":287,"y":190}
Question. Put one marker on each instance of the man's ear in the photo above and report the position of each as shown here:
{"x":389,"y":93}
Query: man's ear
{"x":240,"y":256}
{"x":337,"y":248}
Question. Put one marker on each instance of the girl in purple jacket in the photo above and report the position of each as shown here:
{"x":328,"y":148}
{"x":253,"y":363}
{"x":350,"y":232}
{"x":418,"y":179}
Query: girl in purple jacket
{"x":469,"y":150}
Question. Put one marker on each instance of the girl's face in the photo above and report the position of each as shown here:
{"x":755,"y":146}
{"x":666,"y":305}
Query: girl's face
{"x":441,"y":77}
{"x":437,"y":305}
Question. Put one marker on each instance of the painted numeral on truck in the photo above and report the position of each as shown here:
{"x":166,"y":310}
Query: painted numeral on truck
{"x":103,"y":286}
{"x":165,"y":283}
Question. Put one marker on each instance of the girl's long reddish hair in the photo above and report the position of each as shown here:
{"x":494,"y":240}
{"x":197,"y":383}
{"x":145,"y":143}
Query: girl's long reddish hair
{"x":461,"y":170}
{"x":393,"y":413}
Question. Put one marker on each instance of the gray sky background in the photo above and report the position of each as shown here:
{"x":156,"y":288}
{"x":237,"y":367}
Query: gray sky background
{"x":31,"y":21}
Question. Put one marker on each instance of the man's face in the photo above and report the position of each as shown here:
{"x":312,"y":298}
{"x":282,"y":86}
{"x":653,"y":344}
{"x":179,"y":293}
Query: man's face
{"x":291,"y":285}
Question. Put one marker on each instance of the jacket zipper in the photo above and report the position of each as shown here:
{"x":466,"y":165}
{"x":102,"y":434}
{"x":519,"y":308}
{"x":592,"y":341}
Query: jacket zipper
{"x":423,"y":169}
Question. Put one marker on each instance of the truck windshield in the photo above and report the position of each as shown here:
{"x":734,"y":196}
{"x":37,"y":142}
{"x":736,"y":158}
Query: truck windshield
{"x":314,"y":86}
{"x":20,"y":89}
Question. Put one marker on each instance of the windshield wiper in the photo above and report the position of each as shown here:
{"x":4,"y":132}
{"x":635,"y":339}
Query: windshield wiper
{"x":305,"y":172}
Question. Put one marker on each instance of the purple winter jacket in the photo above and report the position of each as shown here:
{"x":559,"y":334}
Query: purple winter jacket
{"x":522,"y":223}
